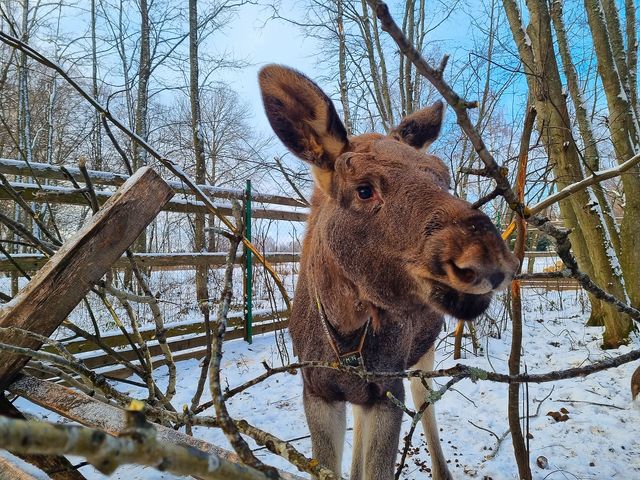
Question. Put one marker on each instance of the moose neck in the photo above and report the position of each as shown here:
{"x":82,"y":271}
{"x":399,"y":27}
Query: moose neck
{"x":343,"y":305}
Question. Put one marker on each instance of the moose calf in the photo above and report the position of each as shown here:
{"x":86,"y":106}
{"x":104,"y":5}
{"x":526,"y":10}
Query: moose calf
{"x":387,"y":253}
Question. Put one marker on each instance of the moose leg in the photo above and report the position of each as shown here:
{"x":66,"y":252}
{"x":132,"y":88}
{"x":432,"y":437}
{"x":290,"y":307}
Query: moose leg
{"x":327,"y":425}
{"x":380,"y":436}
{"x":357,"y":458}
{"x":438,"y":462}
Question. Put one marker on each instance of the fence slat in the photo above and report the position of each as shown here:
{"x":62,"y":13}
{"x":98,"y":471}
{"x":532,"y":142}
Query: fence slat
{"x":83,"y":259}
{"x":32,"y":262}
{"x":54,"y":172}
{"x":70,"y":196}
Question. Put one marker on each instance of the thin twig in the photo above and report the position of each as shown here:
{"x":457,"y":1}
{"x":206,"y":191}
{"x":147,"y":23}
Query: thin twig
{"x":432,"y":397}
{"x":219,"y":328}
{"x":82,"y":166}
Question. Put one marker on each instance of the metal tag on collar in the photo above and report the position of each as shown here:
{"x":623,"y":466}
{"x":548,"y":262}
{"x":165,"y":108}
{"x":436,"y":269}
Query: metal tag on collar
{"x":351,"y":359}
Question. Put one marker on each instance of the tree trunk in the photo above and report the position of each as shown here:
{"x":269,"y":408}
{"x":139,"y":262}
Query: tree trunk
{"x":144,"y":73}
{"x":632,"y":51}
{"x":367,"y":37}
{"x":536,"y":49}
{"x":625,"y":135}
{"x":591,"y":155}
{"x":200,"y":241}
{"x":342,"y":67}
{"x":97,"y":122}
{"x":142,"y":102}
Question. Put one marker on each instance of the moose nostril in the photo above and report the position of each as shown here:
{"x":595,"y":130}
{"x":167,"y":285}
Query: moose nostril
{"x":496,"y":279}
{"x":467,"y":275}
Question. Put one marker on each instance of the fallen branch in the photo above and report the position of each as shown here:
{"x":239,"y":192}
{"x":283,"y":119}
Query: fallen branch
{"x":459,"y":370}
{"x":90,"y":412}
{"x":138,"y":445}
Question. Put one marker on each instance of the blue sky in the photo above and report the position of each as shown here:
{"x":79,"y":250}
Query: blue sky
{"x":277,"y":41}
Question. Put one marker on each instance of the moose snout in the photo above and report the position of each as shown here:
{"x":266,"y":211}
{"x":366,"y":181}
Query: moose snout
{"x":496,"y":279}
{"x":475,"y":271}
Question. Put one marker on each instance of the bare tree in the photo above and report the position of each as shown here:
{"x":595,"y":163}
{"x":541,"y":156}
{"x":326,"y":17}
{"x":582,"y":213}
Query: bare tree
{"x":590,"y":238}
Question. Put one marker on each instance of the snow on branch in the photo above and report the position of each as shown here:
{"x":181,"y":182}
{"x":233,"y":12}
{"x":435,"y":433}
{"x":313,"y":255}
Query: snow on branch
{"x":137,"y":445}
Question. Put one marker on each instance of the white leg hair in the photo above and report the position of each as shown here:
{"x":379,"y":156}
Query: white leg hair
{"x":438,"y":461}
{"x":357,"y":458}
{"x":376,"y":437}
{"x":327,"y":425}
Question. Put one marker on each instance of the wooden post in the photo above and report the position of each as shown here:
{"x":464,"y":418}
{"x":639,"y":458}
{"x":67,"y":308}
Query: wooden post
{"x":83,"y":259}
{"x":10,"y":470}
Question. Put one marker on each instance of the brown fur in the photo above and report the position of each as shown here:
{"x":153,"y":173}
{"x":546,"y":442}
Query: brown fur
{"x":635,"y":384}
{"x":404,"y":257}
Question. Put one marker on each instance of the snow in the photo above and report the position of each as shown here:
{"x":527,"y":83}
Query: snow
{"x":599,"y":440}
{"x":608,"y":244}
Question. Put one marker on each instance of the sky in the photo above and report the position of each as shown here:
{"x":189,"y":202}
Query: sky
{"x":261,"y":43}
{"x":248,"y":36}
{"x":278,"y":41}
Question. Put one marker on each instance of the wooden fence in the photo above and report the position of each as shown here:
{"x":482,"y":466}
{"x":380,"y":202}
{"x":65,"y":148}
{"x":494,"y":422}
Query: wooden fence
{"x":185,"y":340}
{"x":63,"y":185}
{"x":45,"y":302}
{"x":30,"y":262}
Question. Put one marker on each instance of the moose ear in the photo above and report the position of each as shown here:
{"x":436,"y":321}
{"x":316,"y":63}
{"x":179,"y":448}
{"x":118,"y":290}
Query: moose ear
{"x":304,"y":118}
{"x":421,"y":128}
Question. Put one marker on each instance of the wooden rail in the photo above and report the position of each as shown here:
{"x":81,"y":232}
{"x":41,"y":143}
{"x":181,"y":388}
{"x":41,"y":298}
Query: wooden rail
{"x":31,"y":262}
{"x":31,"y":192}
{"x":164,"y":261}
{"x":548,"y":284}
{"x":56,"y":172}
{"x":186,"y":340}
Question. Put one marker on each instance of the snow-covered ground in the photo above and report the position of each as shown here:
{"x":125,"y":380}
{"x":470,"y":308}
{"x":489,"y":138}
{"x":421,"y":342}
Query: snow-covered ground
{"x":599,"y":440}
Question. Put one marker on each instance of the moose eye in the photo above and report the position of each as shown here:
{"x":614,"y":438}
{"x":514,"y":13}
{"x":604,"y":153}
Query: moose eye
{"x":365,"y":192}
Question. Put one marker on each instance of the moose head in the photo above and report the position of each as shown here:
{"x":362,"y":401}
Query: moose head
{"x":383,"y":209}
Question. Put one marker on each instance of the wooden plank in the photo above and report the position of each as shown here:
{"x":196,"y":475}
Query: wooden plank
{"x":182,"y":349}
{"x":551,"y":284}
{"x":166,"y":261}
{"x":535,"y":254}
{"x":32,"y":262}
{"x":54,"y":172}
{"x":119,"y":340}
{"x":70,"y":196}
{"x":12,"y":471}
{"x":83,"y":259}
{"x":178,"y":345}
{"x":87,"y":411}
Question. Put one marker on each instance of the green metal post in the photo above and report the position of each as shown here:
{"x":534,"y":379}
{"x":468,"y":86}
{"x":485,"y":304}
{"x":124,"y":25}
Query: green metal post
{"x":248,"y":299}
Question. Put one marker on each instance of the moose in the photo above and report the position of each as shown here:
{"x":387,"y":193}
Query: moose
{"x":387,"y":253}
